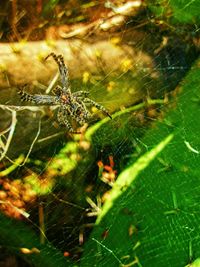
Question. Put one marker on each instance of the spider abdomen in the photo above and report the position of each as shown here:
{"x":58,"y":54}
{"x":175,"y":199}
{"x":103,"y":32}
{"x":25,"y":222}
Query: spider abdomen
{"x":74,"y":105}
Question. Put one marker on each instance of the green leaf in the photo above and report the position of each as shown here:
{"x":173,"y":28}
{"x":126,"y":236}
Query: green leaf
{"x":181,"y":11}
{"x":20,"y":236}
{"x":152,"y":215}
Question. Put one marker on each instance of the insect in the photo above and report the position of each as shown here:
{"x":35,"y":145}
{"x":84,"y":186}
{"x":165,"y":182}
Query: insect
{"x":73,"y":105}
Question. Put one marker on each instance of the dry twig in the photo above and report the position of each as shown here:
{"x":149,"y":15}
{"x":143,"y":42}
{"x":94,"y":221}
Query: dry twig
{"x":5,"y":141}
{"x":11,"y":129}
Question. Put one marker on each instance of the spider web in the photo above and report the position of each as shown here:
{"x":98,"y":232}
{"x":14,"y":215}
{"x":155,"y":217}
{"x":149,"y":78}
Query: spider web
{"x":154,"y":222}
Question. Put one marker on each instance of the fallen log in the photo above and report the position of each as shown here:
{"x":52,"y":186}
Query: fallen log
{"x":89,"y":64}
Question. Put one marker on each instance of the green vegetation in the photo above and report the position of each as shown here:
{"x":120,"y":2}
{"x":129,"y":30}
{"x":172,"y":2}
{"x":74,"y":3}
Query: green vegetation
{"x":178,"y":11}
{"x":156,"y":195}
{"x":124,"y":192}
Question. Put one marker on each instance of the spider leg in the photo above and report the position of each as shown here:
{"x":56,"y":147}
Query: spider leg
{"x":62,"y":69}
{"x":38,"y":99}
{"x":85,"y":112}
{"x":81,"y":121}
{"x":81,"y":94}
{"x":61,"y":116}
{"x":78,"y":118}
{"x":57,"y":90}
{"x":90,"y":102}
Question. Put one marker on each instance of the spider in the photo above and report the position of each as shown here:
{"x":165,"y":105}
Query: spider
{"x":70,"y":104}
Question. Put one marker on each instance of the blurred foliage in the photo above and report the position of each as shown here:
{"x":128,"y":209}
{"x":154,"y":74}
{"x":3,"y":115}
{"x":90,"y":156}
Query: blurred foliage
{"x":38,"y":19}
{"x":176,"y":11}
{"x":48,"y":7}
{"x":20,"y":196}
{"x":24,"y":242}
{"x":152,"y":209}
